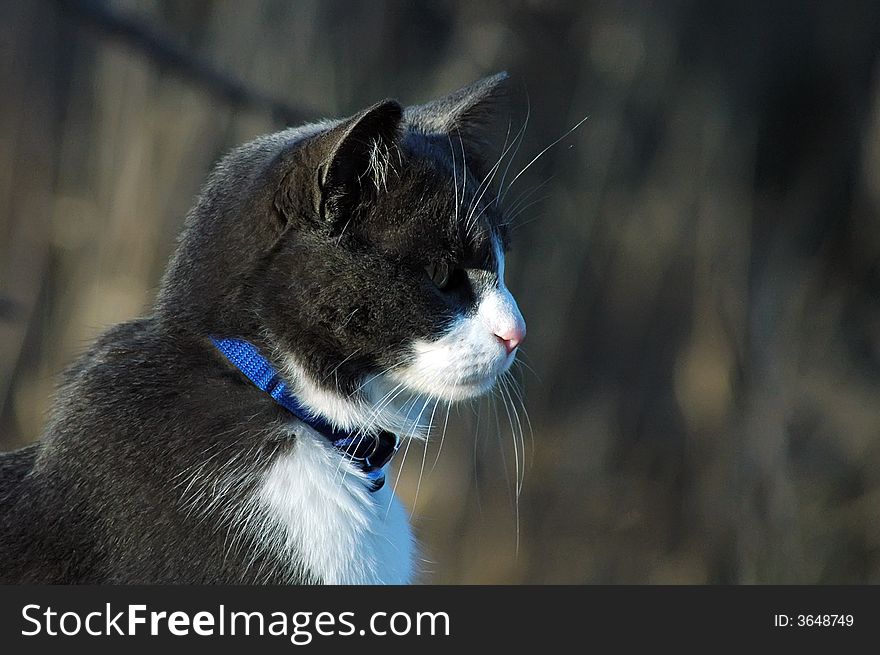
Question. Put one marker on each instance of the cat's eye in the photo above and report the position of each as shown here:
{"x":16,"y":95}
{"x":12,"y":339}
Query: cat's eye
{"x":440,"y":273}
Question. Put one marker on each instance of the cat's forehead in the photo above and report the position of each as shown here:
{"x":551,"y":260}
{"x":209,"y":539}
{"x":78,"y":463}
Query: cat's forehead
{"x":436,"y":207}
{"x":447,"y":156}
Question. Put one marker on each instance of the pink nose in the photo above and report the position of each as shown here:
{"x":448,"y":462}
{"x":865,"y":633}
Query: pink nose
{"x":511,"y":338}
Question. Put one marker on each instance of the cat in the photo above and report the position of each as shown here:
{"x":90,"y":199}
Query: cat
{"x":332,"y":283}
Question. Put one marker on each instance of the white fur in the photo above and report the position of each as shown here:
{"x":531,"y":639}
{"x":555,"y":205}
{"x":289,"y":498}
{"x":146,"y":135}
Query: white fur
{"x":327,"y":522}
{"x":466,"y":361}
{"x":321,"y":515}
{"x":379,"y":403}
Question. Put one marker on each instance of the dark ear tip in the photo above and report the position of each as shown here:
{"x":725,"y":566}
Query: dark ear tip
{"x":495,"y":83}
{"x":388,"y":108}
{"x":494,"y":90}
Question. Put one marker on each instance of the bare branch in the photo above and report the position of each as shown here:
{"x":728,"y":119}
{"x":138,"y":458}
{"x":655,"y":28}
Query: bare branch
{"x":167,"y":53}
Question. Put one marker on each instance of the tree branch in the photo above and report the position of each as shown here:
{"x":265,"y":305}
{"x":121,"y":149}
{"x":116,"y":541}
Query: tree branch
{"x":166,"y":53}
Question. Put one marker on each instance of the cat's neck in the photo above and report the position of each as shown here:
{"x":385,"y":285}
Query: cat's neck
{"x":376,"y":404}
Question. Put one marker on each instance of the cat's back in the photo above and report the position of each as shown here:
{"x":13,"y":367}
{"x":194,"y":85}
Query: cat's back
{"x":39,"y":507}
{"x":14,"y":469}
{"x":17,"y":466}
{"x":127,"y":382}
{"x":14,"y":466}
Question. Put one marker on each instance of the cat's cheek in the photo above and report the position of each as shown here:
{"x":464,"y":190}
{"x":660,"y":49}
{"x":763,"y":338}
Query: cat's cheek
{"x":467,"y":359}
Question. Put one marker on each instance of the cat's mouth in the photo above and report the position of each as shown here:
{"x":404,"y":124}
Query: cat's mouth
{"x":453,"y":373}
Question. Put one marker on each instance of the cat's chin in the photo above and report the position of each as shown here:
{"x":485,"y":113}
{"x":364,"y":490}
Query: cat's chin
{"x":410,"y":410}
{"x":452,"y":387}
{"x":466,"y":390}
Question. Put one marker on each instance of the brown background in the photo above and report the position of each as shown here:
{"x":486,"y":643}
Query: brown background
{"x":701,"y":278}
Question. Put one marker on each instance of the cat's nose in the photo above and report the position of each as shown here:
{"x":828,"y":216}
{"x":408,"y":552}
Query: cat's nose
{"x":511,"y":337}
{"x":502,"y":317}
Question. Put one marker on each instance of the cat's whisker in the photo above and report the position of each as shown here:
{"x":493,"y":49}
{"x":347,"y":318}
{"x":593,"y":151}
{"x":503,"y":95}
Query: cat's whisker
{"x":521,"y":356}
{"x":513,"y":434}
{"x":464,"y":168}
{"x":512,"y":218}
{"x":484,"y":186}
{"x":381,"y":405}
{"x":442,"y":437}
{"x":493,"y":405}
{"x":528,"y":192}
{"x":514,"y":499}
{"x":409,"y":441}
{"x":336,"y":368}
{"x":518,"y":140}
{"x":534,"y":218}
{"x":509,"y":383}
{"x":516,"y":207}
{"x":479,"y":413}
{"x":528,"y":420}
{"x":472,"y":220}
{"x":515,"y":387}
{"x":525,"y":367}
{"x":371,"y":421}
{"x":510,"y":492}
{"x":375,"y":376}
{"x":454,"y":177}
{"x":424,"y":455}
{"x":518,"y":469}
{"x":539,"y":155}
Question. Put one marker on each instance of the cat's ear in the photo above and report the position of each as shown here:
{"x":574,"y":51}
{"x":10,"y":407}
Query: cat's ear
{"x":355,"y":157}
{"x":470,"y":114}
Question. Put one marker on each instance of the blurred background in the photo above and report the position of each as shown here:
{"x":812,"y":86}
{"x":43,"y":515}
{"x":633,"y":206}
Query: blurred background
{"x":700,"y":270}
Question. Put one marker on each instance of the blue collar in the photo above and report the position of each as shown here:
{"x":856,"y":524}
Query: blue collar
{"x":368,"y":452}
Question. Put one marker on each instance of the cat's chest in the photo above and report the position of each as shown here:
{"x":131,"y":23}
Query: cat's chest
{"x":323,"y":520}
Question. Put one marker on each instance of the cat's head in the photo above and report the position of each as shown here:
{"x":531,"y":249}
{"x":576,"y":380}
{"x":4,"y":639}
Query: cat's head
{"x":366,"y":256}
